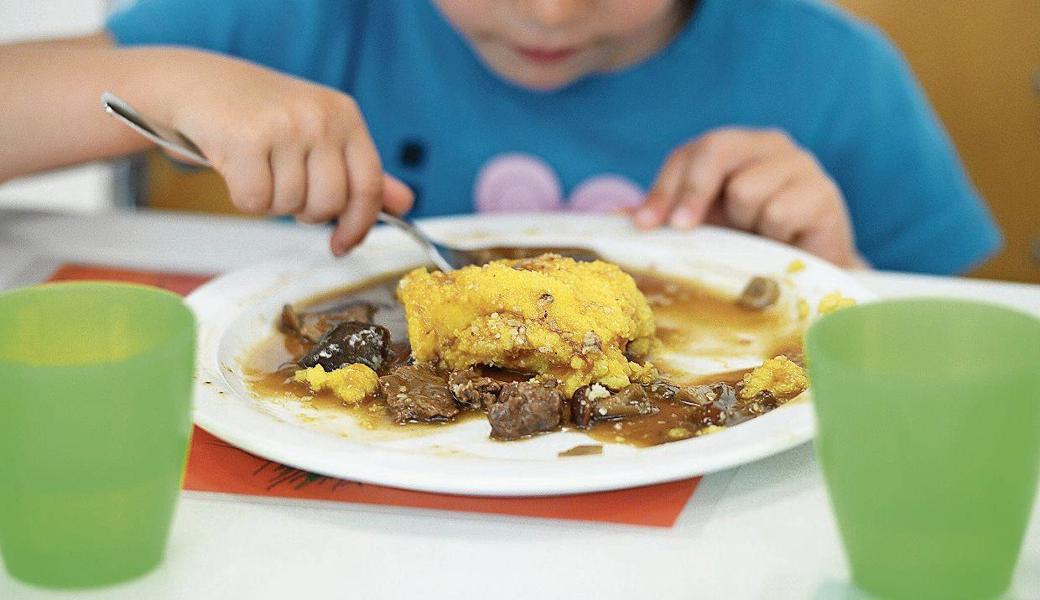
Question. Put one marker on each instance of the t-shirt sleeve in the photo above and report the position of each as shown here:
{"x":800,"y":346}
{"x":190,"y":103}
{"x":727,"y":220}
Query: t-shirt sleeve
{"x":912,"y":205}
{"x":314,"y":39}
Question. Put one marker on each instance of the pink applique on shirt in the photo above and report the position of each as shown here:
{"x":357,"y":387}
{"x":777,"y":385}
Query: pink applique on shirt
{"x":517,"y":182}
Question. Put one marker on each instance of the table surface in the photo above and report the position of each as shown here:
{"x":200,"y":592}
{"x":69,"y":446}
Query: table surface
{"x":762,"y":530}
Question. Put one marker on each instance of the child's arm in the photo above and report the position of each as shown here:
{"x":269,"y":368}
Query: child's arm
{"x":50,"y":94}
{"x":284,"y":146}
{"x":756,"y":180}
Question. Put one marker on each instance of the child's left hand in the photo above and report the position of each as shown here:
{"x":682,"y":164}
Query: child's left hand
{"x":758,"y":181}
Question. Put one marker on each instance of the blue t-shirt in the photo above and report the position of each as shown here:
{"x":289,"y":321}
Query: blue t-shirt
{"x":467,"y":140}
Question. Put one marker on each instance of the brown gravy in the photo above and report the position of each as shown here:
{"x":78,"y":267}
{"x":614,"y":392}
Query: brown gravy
{"x":686,"y":314}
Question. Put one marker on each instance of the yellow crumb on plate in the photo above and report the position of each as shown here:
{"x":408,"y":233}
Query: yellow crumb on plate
{"x":350,"y":383}
{"x":803,"y":309}
{"x":778,"y":376}
{"x":796,"y":266}
{"x":834,"y":301}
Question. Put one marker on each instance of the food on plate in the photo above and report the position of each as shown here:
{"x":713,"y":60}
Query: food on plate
{"x":522,"y":408}
{"x":580,"y":322}
{"x":351,"y":383}
{"x":778,"y":376}
{"x":832,"y":302}
{"x":348,"y":343}
{"x":759,"y":294}
{"x":418,"y":393}
{"x":311,"y":325}
{"x":533,"y":345}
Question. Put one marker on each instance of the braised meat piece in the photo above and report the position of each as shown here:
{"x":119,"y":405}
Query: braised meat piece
{"x":714,"y":404}
{"x":417,"y":394}
{"x":348,"y":343}
{"x":760,"y":404}
{"x":523,"y":408}
{"x":630,"y":401}
{"x":471,"y":390}
{"x":312,"y":325}
{"x":596,"y":403}
{"x":717,"y":404}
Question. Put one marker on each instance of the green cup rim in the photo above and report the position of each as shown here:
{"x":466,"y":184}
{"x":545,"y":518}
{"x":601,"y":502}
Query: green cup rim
{"x":45,"y":286}
{"x":173,"y":300}
{"x":839,"y":317}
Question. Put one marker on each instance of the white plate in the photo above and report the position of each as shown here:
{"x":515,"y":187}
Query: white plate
{"x":237,"y":310}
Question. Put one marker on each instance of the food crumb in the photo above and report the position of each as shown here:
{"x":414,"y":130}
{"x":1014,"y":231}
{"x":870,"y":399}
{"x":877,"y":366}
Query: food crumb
{"x":779,"y":376}
{"x":803,"y":309}
{"x":582,"y":450}
{"x":796,"y":265}
{"x":834,"y":301}
{"x":350,"y":383}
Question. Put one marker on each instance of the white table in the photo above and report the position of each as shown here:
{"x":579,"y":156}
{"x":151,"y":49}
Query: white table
{"x":763,"y":530}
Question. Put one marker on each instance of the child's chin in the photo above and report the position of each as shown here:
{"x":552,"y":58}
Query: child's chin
{"x":539,"y":82}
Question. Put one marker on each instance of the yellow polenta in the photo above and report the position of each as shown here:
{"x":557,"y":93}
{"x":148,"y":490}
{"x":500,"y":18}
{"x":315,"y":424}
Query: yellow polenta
{"x":548,"y":315}
{"x":778,"y":376}
{"x":350,"y":383}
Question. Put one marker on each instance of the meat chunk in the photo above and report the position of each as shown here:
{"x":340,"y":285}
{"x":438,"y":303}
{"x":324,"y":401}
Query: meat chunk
{"x":630,"y":401}
{"x":760,"y":403}
{"x":312,"y":325}
{"x":348,"y":343}
{"x":596,"y":403}
{"x":418,"y":394}
{"x":471,"y":390}
{"x":523,"y":408}
{"x":717,"y":404}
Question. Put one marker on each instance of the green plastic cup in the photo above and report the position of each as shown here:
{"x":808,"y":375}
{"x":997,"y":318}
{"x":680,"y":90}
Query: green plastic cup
{"x":928,"y":415}
{"x":95,"y":418}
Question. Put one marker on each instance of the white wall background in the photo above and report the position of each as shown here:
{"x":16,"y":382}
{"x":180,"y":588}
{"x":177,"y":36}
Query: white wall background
{"x":86,"y":188}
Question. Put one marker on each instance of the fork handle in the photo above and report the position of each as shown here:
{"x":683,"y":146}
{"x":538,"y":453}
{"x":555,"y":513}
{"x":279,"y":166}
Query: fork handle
{"x":412,"y":232}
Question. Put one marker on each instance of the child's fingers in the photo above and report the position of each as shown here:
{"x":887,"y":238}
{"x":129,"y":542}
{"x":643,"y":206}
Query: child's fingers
{"x":792,"y":211}
{"x":249,"y":181}
{"x":811,"y":214}
{"x":326,"y":185}
{"x":664,"y":194}
{"x":748,"y":190}
{"x":713,"y":159}
{"x":289,"y":167}
{"x":364,"y":170}
{"x":353,"y":225}
{"x":397,"y":197}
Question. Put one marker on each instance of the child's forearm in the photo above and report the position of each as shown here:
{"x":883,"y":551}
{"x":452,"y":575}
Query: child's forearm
{"x":50,"y":107}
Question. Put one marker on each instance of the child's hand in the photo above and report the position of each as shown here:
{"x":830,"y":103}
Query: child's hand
{"x":756,"y":180}
{"x":287,"y":147}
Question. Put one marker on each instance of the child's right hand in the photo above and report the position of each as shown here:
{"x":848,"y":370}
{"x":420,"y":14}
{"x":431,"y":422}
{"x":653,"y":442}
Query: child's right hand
{"x":285,"y":146}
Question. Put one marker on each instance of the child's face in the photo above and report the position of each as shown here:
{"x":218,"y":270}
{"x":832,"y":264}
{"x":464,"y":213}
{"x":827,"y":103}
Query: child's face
{"x":547,"y":44}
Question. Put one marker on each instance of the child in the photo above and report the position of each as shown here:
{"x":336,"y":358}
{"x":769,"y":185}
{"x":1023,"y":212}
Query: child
{"x":782,"y":117}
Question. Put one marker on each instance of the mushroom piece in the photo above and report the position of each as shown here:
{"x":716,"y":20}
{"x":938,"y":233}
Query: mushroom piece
{"x":350,"y":342}
{"x":595,"y":403}
{"x":759,"y":294}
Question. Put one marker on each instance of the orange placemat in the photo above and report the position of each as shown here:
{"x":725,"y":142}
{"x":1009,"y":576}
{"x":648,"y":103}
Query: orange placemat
{"x":216,"y":466}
